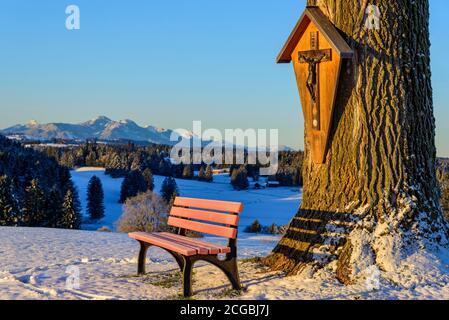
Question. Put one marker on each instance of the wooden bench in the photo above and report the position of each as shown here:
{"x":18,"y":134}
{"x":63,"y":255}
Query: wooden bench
{"x":219,"y":218}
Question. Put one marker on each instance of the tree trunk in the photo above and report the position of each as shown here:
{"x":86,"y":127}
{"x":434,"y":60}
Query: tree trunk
{"x":377,"y":192}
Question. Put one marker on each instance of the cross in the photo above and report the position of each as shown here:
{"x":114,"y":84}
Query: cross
{"x":314,"y":57}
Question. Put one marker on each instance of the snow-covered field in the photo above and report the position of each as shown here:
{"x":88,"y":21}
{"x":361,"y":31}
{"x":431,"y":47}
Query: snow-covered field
{"x":273,"y":205}
{"x":46,"y":263}
{"x":38,"y":264}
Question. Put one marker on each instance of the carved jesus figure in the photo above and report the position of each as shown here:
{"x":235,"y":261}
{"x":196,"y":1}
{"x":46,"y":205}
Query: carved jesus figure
{"x":312,"y":77}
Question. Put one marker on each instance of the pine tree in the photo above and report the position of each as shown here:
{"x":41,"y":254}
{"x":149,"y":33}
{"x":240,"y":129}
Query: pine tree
{"x":239,"y":179}
{"x":242,"y":179}
{"x":234,"y":176}
{"x":136,"y":163}
{"x":255,"y":227}
{"x":34,"y":211}
{"x":140,"y":183}
{"x":91,"y":159}
{"x":202,"y":174}
{"x":171,"y":202}
{"x":35,"y":185}
{"x":188,"y":172}
{"x":148,"y":175}
{"x":124,"y":189}
{"x":133,"y":184}
{"x":65,"y":178}
{"x":164,"y":168}
{"x":169,"y":189}
{"x":53,"y":208}
{"x":113,"y":161}
{"x":8,"y":205}
{"x":209,"y":176}
{"x":178,"y":170}
{"x":71,"y":211}
{"x":67,"y":160}
{"x":95,"y":199}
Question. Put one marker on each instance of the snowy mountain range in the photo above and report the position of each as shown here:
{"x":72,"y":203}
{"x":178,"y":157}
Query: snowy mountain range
{"x":101,"y":128}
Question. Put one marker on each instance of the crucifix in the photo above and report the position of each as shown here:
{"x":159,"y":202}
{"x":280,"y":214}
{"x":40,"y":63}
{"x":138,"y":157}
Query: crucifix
{"x":314,"y":57}
{"x":318,"y":50}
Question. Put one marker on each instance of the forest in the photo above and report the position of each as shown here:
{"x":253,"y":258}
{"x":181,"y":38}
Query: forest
{"x":120,"y":159}
{"x":35,"y":191}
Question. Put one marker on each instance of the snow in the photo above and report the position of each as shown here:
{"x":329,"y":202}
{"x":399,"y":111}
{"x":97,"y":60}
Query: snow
{"x":38,"y":264}
{"x":385,"y":245}
{"x":33,"y":123}
{"x":41,"y":263}
{"x":111,"y":189}
{"x":269,"y":206}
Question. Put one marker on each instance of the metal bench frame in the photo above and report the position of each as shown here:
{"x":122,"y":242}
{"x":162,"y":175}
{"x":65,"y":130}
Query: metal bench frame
{"x":228,"y":265}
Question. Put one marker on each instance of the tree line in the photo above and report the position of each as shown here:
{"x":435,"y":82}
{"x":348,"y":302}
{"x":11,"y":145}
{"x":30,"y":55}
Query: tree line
{"x":35,"y":191}
{"x":136,"y":182}
{"x":121,"y":159}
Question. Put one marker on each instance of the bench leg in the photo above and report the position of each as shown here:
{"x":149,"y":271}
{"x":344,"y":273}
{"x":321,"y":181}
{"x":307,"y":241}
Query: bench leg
{"x":179,"y":259}
{"x":231,"y":270}
{"x":142,"y":258}
{"x":228,"y":266}
{"x":187,"y":274}
{"x":234,"y":274}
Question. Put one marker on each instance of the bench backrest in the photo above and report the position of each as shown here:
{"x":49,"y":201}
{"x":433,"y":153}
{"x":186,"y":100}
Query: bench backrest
{"x":219,"y":218}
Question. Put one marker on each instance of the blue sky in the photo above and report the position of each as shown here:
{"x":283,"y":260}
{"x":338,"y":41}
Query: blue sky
{"x":167,"y":63}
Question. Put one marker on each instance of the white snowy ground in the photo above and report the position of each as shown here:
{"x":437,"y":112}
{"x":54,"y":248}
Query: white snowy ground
{"x":273,"y":205}
{"x":36,"y":264}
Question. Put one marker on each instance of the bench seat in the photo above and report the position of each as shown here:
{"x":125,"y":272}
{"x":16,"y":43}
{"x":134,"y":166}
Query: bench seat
{"x":180,"y":244}
{"x":212,"y":248}
{"x":214,"y":217}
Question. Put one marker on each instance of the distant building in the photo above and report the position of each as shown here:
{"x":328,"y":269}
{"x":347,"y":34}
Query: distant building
{"x":273,"y":184}
{"x":220,"y":171}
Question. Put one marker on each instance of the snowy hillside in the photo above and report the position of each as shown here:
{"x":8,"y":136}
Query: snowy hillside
{"x":275,"y":205}
{"x":41,"y":263}
{"x":36,"y":264}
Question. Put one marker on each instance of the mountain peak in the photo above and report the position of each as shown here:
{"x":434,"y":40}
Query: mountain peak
{"x":127,"y":121}
{"x":100,"y":118}
{"x":100,"y":127}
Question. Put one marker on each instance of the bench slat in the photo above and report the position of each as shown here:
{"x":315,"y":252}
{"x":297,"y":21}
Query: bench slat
{"x":213,"y":248}
{"x":203,"y":227}
{"x":163,"y":243}
{"x":223,"y":218}
{"x":226,"y":206}
{"x":198,"y":248}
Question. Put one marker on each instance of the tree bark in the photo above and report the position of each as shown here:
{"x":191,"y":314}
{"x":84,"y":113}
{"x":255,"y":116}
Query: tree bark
{"x":377,"y":193}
